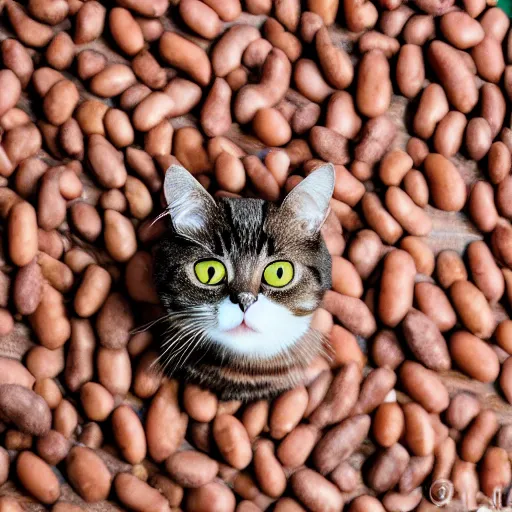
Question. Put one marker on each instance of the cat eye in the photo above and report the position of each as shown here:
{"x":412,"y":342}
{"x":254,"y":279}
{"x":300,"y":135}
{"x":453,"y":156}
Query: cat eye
{"x":278,"y":274}
{"x":210,"y":271}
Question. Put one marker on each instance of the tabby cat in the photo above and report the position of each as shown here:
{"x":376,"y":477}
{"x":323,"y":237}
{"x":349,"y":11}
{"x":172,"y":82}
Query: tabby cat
{"x":239,"y":280}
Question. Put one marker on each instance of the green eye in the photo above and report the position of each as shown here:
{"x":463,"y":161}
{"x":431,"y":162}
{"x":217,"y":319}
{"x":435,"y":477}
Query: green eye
{"x":278,"y":274}
{"x":210,"y":271}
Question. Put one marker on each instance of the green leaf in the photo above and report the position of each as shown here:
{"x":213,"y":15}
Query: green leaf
{"x":506,"y":5}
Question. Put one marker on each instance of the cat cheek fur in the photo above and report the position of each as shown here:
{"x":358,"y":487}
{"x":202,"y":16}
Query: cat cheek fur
{"x":276,"y":328}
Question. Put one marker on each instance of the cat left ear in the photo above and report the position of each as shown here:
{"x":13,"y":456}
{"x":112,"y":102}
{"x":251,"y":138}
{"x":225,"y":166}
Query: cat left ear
{"x":189,"y":204}
{"x":308,"y":202}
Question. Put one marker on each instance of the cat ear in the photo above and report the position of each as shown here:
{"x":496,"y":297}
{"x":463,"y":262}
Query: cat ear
{"x":308,"y":202}
{"x":189,"y":204}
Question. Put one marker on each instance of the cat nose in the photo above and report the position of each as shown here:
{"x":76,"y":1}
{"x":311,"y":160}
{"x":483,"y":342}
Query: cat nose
{"x":245,"y":300}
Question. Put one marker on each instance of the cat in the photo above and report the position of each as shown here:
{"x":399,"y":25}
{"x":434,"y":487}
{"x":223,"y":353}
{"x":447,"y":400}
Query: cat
{"x":240,"y":280}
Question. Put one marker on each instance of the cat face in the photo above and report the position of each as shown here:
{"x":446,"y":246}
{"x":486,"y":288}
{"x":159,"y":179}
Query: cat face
{"x":241,"y":278}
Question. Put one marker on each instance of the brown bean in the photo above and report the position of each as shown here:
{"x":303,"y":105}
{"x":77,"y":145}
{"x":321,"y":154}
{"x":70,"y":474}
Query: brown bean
{"x":500,"y":241}
{"x":191,"y":469}
{"x":200,"y":403}
{"x":49,"y":320}
{"x":22,"y":232}
{"x":433,"y":107}
{"x":17,"y":59}
{"x":495,"y":23}
{"x":28,"y":31}
{"x":287,"y":412}
{"x":503,"y":335}
{"x":455,"y":77}
{"x":345,"y":278}
{"x":232,"y":440}
{"x":97,"y":402}
{"x":227,"y":53}
{"x":268,"y":470}
{"x":186,"y":56}
{"x":465,"y":481}
{"x":493,"y":107}
{"x":410,"y":70}
{"x":90,"y":63}
{"x":481,"y":206}
{"x":397,"y":287}
{"x":188,"y":148}
{"x":495,"y":470}
{"x":296,"y":447}
{"x":271,"y":127}
{"x":37,"y":477}
{"x":337,"y":406}
{"x":365,"y":252}
{"x":376,"y":137}
{"x":114,"y":370}
{"x":388,"y":424}
{"x":374,"y":85}
{"x":336,"y":63}
{"x":463,"y":408}
{"x":164,"y":410}
{"x":53,"y":447}
{"x":255,"y":417}
{"x":424,"y":386}
{"x":412,"y":218}
{"x":275,"y":79}
{"x":340,"y":442}
{"x":351,"y":312}
{"x":442,"y":176}
{"x":489,"y":59}
{"x":120,"y":238}
{"x":276,"y":34}
{"x":261,"y":178}
{"x":449,"y":133}
{"x":478,"y":138}
{"x":341,"y":115}
{"x":138,"y":495}
{"x":329,"y":145}
{"x":88,"y":474}
{"x":125,"y":31}
{"x":366,"y":504}
{"x":315,"y":492}
{"x":484,"y":271}
{"x":89,"y":22}
{"x":65,"y":418}
{"x":468,"y":300}
{"x":50,"y":391}
{"x":376,"y":386}
{"x":433,"y":302}
{"x":230,"y":172}
{"x":478,"y":436}
{"x":386,"y":350}
{"x":461,"y":30}
{"x":129,"y":434}
{"x":215,"y":497}
{"x":419,"y":433}
{"x":25,"y":409}
{"x":388,"y":466}
{"x":379,"y":219}
{"x":506,"y":379}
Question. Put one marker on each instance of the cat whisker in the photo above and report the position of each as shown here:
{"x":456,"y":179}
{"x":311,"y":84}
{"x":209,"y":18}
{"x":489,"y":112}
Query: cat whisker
{"x":147,"y":326}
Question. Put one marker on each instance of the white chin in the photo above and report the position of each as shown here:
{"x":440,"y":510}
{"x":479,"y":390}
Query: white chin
{"x":273,"y":328}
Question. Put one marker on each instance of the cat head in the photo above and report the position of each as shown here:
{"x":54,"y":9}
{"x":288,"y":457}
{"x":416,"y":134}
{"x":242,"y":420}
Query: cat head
{"x":242,"y":277}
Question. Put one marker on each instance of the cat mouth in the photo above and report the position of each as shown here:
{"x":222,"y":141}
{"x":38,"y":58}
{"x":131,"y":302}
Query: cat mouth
{"x":242,"y":328}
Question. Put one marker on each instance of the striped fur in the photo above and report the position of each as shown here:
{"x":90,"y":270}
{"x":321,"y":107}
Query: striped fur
{"x":245,"y":234}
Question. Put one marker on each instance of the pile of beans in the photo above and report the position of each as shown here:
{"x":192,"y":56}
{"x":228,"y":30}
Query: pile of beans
{"x":97,"y":100}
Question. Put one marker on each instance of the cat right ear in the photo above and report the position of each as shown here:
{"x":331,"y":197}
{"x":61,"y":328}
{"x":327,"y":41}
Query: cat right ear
{"x":189,"y":204}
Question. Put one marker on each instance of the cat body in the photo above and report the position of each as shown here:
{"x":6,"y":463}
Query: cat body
{"x":240,"y":280}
